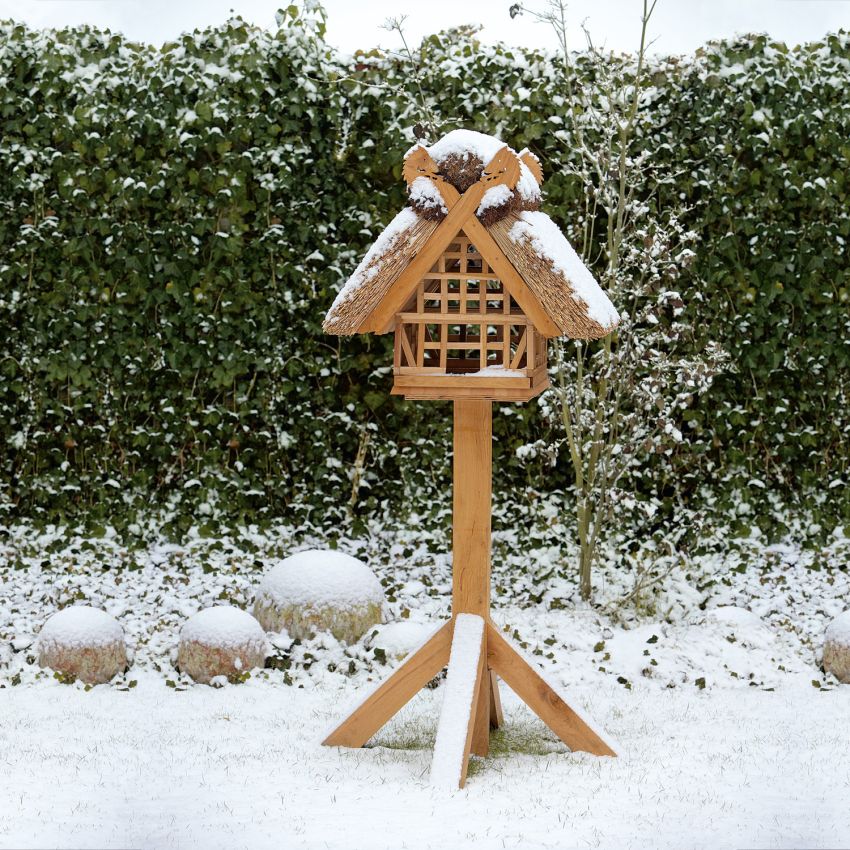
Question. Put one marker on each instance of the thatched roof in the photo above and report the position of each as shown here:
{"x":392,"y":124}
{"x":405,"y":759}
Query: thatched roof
{"x":561,"y":282}
{"x":532,"y":243}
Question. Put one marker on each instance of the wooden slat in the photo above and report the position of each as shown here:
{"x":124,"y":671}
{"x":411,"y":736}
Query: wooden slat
{"x":459,"y":275}
{"x":488,"y":393}
{"x":416,"y":671}
{"x":444,"y":336}
{"x":460,"y":697}
{"x":454,"y":318}
{"x":509,"y":276}
{"x":482,"y":334}
{"x":541,"y":698}
{"x":405,"y":345}
{"x":423,"y":378}
{"x":497,"y":719}
{"x":481,"y":729}
{"x":520,"y":349}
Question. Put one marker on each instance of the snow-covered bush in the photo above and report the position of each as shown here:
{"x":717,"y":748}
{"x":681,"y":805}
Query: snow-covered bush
{"x":80,"y":642}
{"x":836,"y":648}
{"x":221,"y":641}
{"x":317,"y":591}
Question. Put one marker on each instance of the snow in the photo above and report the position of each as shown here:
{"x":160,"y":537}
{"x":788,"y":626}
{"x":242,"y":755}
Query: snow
{"x":322,"y":577}
{"x":706,"y":684}
{"x":399,"y":639}
{"x":368,"y":267}
{"x":465,"y":143}
{"x":838,"y":631}
{"x":81,"y":626}
{"x":548,"y":241}
{"x":240,"y":767}
{"x":450,"y":744}
{"x":425,"y":193}
{"x":223,"y":626}
{"x":497,"y":371}
{"x":527,"y":185}
{"x":495,"y":196}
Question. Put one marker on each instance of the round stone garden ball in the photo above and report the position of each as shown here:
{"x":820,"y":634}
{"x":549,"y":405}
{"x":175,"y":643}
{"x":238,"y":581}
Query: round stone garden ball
{"x":836,"y":648}
{"x":83,"y":643}
{"x":221,"y":641}
{"x":320,"y":590}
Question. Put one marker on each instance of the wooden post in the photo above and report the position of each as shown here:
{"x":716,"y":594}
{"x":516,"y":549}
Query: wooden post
{"x":473,"y":462}
{"x":472,"y":497}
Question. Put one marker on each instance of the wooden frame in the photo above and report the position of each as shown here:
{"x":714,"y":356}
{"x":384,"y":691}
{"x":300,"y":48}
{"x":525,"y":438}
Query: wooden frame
{"x":469,"y":643}
{"x":461,"y":320}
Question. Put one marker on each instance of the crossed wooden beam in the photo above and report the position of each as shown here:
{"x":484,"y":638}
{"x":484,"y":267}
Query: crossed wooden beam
{"x":472,"y":647}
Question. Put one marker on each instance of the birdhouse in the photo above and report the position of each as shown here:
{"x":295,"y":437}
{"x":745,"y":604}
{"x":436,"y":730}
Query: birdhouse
{"x":471,"y":278}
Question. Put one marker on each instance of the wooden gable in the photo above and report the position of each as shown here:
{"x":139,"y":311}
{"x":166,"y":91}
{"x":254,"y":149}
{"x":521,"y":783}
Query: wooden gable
{"x":460,"y":217}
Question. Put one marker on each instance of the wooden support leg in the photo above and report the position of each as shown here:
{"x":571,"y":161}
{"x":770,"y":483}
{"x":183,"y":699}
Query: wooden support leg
{"x":481,"y":732}
{"x":417,"y":670}
{"x":530,"y":686}
{"x":467,"y":664}
{"x":496,"y":716}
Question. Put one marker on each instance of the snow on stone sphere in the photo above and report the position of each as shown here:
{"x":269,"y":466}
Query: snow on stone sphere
{"x":836,"y":648}
{"x":399,"y":639}
{"x":84,"y":643}
{"x":320,"y":590}
{"x":221,"y":641}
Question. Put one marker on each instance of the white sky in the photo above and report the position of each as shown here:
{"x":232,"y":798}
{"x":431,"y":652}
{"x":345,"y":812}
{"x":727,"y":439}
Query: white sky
{"x":678,"y":25}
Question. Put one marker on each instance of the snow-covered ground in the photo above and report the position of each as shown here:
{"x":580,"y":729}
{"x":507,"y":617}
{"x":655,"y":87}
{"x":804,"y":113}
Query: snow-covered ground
{"x":707,"y":681}
{"x":241,"y":767}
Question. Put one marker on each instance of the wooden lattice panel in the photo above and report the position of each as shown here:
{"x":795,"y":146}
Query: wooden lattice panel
{"x":462,"y":319}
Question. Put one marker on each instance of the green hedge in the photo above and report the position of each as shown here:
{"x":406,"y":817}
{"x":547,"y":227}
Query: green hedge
{"x":174,"y":223}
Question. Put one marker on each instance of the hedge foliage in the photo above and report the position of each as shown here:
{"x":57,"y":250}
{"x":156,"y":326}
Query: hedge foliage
{"x":175,"y":221}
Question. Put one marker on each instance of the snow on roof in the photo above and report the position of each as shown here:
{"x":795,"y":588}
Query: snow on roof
{"x":81,"y":625}
{"x":495,"y":196}
{"x":368,"y":267}
{"x":465,"y":143}
{"x":321,"y":578}
{"x":527,"y":186}
{"x":222,"y":625}
{"x":546,"y":238}
{"x":531,"y":241}
{"x":425,"y":192}
{"x":378,"y":270}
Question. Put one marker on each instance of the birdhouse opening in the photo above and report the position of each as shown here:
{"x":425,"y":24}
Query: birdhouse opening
{"x":463,"y":332}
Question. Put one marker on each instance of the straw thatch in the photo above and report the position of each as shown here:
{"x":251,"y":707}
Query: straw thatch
{"x":554,"y":292}
{"x":372,"y":281}
{"x":564,"y":288}
{"x":462,"y":172}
